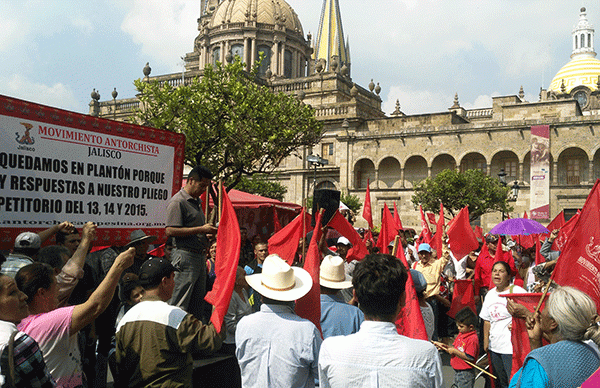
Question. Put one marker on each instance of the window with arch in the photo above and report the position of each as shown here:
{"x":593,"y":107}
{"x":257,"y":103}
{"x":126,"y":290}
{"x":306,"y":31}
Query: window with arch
{"x":238,"y":50}
{"x":287,"y":64}
{"x":266,"y":62}
{"x":589,"y":40}
{"x":216,"y":55}
{"x":325,"y":185}
{"x":582,"y":44}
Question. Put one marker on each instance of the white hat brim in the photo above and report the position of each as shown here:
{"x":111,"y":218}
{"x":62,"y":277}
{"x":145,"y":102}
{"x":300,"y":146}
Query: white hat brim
{"x":346,"y":283}
{"x":302,"y":285}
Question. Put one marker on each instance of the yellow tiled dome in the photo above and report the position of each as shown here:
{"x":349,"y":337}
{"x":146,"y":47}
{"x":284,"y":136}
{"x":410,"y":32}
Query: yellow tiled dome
{"x":581,"y":70}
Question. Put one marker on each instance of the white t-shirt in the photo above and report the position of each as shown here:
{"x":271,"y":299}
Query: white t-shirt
{"x":494,"y":311}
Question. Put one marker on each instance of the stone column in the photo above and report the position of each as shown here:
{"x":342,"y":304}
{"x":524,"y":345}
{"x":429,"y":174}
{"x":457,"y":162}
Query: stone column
{"x":591,"y":172}
{"x":275,"y":58}
{"x":554,"y":173}
{"x":282,"y":58}
{"x":520,"y":174}
{"x":253,"y":53}
{"x":402,"y":176}
{"x":428,"y":171}
{"x":222,"y":53}
{"x":489,"y":169}
{"x":246,"y":57}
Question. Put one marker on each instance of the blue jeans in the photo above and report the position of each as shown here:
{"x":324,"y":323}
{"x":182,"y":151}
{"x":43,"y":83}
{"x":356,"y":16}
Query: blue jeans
{"x":501,"y":365}
{"x":464,"y":378}
{"x":190,"y":281}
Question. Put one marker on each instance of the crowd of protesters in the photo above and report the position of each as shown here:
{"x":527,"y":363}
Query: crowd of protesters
{"x":69,"y":315}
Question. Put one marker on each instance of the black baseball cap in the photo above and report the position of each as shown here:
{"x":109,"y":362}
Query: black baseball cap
{"x":153,"y":270}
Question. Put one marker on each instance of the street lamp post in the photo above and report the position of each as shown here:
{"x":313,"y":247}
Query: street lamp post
{"x":502,"y":179}
{"x":316,"y":160}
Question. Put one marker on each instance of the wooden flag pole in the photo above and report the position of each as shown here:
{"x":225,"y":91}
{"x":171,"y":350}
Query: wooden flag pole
{"x":395,"y":248}
{"x":220,"y":196}
{"x":207,"y":201}
{"x":480,"y":369}
{"x":303,"y":232}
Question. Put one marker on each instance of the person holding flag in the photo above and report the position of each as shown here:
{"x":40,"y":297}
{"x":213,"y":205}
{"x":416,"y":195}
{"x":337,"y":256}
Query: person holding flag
{"x":568,"y":319}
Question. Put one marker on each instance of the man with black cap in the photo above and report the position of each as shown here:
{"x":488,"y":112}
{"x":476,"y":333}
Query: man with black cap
{"x":156,"y":341}
{"x":187,"y":224}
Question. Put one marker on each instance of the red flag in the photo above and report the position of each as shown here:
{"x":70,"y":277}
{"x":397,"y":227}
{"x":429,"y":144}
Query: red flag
{"x":539,"y":259}
{"x":579,"y":262}
{"x":431,"y":218}
{"x":565,"y":232}
{"x":463,"y":296}
{"x":285,"y":242}
{"x":461,"y":238}
{"x":276,"y":223}
{"x":425,"y":236}
{"x":367,"y":214}
{"x":525,"y":215}
{"x":226,"y":262}
{"x":519,"y":336}
{"x":388,"y":230}
{"x":397,"y":218}
{"x":309,"y":306}
{"x":436,"y":241}
{"x":159,"y":251}
{"x":410,"y":321}
{"x":558,"y":222}
{"x":479,"y":232}
{"x":341,"y":224}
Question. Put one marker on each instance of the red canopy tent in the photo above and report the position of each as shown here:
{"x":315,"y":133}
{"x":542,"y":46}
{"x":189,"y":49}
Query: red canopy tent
{"x":258,"y":213}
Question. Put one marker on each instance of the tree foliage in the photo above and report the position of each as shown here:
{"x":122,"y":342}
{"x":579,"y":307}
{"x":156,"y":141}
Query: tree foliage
{"x":352,"y":201}
{"x":259,"y":185}
{"x":233,"y":125}
{"x":481,"y":193}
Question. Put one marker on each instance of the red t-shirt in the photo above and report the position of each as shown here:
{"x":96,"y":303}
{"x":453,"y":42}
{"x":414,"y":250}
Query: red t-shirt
{"x":468,"y":343}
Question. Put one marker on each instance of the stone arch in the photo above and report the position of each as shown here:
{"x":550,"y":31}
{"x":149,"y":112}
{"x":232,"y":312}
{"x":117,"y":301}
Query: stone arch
{"x":326,"y":184}
{"x":364,"y":171}
{"x":389,"y":173}
{"x":573,"y":166}
{"x":509,"y":161}
{"x":596,"y":172}
{"x":473,"y":161}
{"x":415,"y":170}
{"x":442,"y":162}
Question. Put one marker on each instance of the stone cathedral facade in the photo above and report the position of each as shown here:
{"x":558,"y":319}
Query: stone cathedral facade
{"x":394,"y":151}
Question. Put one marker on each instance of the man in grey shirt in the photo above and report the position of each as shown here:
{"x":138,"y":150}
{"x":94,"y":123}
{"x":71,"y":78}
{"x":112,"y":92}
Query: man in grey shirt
{"x":187,"y":224}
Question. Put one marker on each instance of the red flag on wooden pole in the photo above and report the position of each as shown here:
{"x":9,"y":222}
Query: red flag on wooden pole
{"x":359,"y":249}
{"x":410,"y":321}
{"x":388,"y":230}
{"x":367,"y":213}
{"x":565,"y":232}
{"x":462,"y":297}
{"x":519,"y":336}
{"x":461,"y":238}
{"x":226,"y":262}
{"x":276,"y":223}
{"x":309,"y":306}
{"x":425,"y":235}
{"x":578,"y":265}
{"x":397,"y":218}
{"x":436,"y":241}
{"x":285,"y":242}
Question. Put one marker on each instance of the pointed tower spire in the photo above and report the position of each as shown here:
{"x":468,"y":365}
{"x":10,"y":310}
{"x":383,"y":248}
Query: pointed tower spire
{"x":330,"y":37}
{"x":583,"y":37}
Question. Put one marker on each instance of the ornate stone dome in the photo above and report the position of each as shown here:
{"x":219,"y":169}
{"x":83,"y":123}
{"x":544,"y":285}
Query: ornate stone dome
{"x":267,"y":12}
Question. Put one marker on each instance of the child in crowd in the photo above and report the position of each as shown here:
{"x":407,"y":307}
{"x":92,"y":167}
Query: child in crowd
{"x":465,"y":347}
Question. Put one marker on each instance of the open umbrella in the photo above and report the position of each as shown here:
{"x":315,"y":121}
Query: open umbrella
{"x":519,"y":226}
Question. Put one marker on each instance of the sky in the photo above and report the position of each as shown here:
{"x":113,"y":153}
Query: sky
{"x":421,"y":52}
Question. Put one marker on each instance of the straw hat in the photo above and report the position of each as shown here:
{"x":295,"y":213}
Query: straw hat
{"x":279,"y":281}
{"x":332,"y":274}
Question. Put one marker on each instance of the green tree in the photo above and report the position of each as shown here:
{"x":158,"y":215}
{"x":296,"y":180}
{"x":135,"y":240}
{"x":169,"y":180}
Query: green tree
{"x":481,"y":193}
{"x":259,"y":185}
{"x":233,"y":125}
{"x":352,"y":201}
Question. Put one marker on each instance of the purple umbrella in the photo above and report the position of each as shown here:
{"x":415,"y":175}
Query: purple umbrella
{"x":519,"y":226}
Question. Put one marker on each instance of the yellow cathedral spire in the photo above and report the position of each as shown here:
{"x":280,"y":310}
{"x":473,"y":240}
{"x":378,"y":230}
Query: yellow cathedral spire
{"x":330,"y":36}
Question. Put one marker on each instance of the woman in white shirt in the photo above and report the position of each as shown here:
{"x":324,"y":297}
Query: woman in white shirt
{"x":496,"y":332}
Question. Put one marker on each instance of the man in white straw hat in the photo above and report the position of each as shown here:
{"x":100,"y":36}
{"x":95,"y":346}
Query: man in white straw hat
{"x":377,"y":352}
{"x":337,"y":317}
{"x":274,"y":346}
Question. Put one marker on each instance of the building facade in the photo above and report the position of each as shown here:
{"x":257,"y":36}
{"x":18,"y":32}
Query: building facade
{"x":393,"y":152}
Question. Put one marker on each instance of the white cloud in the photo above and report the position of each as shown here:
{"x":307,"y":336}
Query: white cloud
{"x":57,"y":95}
{"x":165,"y":29}
{"x":413,"y":101}
{"x":83,"y":24}
{"x":12,"y":34}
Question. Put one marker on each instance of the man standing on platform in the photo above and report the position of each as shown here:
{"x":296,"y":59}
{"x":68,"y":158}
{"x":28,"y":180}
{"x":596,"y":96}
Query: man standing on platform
{"x":187,"y":224}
